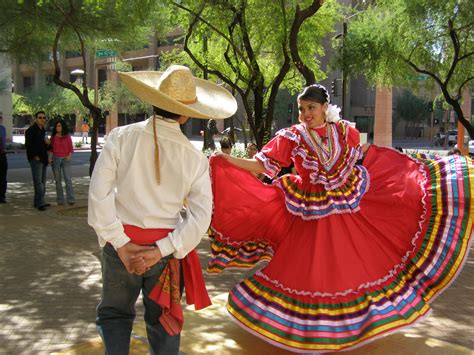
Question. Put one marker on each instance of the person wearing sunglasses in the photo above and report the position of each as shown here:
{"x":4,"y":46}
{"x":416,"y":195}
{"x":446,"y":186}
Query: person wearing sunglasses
{"x":37,"y":145}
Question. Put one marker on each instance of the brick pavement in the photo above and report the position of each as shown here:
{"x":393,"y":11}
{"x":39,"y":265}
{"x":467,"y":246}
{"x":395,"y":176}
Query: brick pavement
{"x":50,"y":284}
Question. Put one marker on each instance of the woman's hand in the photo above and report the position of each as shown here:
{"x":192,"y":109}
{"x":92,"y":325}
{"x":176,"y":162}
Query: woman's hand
{"x":365,"y":148}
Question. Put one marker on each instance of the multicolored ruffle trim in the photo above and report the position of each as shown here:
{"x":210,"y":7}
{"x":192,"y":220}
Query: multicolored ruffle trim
{"x":304,"y":321}
{"x":243,"y":256}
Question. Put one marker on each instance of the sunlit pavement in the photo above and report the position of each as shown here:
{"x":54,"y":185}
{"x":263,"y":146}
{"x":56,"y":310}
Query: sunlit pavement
{"x":212,"y":332}
{"x":50,"y":286}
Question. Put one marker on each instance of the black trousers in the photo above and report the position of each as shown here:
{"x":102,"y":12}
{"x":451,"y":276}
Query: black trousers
{"x":3,"y":175}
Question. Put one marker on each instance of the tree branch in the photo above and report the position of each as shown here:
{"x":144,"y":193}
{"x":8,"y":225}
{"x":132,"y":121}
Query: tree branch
{"x":275,"y":85}
{"x":462,"y":85}
{"x":465,"y":56}
{"x":198,"y":16}
{"x":201,"y":65}
{"x":57,"y":70}
{"x":300,"y":17}
{"x":228,"y":59}
{"x":423,"y":71}
{"x":455,"y":40}
{"x":81,"y":41}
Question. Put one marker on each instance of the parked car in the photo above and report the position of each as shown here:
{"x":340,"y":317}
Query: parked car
{"x":470,"y":148}
{"x":452,"y":138}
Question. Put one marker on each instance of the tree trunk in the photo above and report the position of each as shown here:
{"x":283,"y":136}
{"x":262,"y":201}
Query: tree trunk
{"x":96,"y":114}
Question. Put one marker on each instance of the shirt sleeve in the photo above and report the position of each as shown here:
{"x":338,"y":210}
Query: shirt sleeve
{"x":70,"y":146}
{"x":102,"y":215}
{"x":187,"y":235}
{"x":276,"y":153}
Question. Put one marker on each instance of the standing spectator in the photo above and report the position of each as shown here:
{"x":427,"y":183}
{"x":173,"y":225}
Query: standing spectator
{"x":37,"y":145}
{"x":85,"y":131}
{"x":251,"y":150}
{"x":3,"y":162}
{"x":62,"y":150}
{"x":226,"y":145}
{"x":144,"y":173}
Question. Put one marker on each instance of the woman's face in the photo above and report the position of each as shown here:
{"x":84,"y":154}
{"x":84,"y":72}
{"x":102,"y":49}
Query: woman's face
{"x":312,"y":113}
{"x":59,"y":127}
{"x":251,"y":150}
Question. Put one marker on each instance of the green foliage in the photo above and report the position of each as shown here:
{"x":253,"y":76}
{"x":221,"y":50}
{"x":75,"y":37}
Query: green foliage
{"x":53,"y":100}
{"x":29,"y":27}
{"x":411,"y":108}
{"x":381,"y":40}
{"x":19,"y":105}
{"x":115,"y":92}
{"x":248,"y":47}
{"x":267,"y":27}
{"x":236,"y":152}
{"x":394,"y":41}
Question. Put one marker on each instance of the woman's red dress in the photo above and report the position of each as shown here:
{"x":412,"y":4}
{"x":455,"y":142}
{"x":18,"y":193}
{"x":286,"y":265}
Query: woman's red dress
{"x":355,"y":251}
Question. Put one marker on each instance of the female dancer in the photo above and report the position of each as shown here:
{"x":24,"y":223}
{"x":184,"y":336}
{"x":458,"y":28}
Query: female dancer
{"x":359,"y":241}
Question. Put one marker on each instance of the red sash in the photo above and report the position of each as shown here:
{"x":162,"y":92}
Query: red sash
{"x":166,"y":291}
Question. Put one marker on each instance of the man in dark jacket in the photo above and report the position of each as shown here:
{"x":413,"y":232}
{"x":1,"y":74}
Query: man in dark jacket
{"x":37,"y":145}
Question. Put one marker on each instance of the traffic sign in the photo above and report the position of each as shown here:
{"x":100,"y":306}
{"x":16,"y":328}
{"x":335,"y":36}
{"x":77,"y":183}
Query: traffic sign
{"x":419,"y":77}
{"x":102,"y":53}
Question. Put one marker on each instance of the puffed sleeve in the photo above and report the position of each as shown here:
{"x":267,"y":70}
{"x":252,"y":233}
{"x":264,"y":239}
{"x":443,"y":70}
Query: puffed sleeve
{"x":353,"y":137}
{"x":277,"y":152}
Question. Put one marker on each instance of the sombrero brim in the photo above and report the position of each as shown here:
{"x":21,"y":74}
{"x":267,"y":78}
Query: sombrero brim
{"x":213,"y":101}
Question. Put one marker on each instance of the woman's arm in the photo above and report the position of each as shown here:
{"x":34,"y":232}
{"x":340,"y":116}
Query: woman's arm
{"x":252,"y":165}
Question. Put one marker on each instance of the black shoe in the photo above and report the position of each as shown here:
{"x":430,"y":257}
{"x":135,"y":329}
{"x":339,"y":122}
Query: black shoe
{"x":71,"y":203}
{"x":47,"y":205}
{"x":41,"y":208}
{"x":3,"y":201}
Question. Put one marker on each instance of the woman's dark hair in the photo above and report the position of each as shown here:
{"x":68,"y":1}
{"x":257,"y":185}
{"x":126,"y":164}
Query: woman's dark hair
{"x":64,"y":128}
{"x":315,"y":93}
{"x":225,"y":143}
{"x":166,"y":114}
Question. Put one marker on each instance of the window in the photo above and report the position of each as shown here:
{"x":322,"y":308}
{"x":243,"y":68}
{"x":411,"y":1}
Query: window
{"x":48,"y":79}
{"x":102,"y":76}
{"x":72,"y":54}
{"x":28,"y":82}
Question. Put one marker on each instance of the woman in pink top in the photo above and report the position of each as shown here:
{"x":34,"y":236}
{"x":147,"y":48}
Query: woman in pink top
{"x":62,"y":150}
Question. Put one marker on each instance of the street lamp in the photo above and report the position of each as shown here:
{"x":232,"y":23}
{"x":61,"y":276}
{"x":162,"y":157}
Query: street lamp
{"x":79,"y":74}
{"x":98,"y":66}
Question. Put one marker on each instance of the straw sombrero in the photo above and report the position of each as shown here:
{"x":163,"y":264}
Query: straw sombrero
{"x":176,"y":90}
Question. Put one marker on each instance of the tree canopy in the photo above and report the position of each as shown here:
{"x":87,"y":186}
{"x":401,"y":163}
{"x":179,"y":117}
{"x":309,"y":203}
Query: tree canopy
{"x":34,"y":31}
{"x":54,"y":100}
{"x":412,"y":109}
{"x":409,"y":42}
{"x":255,"y":47}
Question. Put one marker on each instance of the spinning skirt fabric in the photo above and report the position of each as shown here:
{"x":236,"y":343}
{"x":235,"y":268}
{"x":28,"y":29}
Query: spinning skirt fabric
{"x":337,"y":282}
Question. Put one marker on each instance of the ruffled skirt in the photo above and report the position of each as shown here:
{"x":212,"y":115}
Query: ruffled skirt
{"x":336,"y":282}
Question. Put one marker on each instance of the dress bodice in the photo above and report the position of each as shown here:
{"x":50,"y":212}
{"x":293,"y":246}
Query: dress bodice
{"x":328,"y":180}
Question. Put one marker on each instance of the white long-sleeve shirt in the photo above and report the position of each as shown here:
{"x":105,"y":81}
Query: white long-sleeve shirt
{"x":123,"y":188}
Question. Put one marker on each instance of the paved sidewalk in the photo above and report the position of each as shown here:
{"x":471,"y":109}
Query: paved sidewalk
{"x":50,"y":284}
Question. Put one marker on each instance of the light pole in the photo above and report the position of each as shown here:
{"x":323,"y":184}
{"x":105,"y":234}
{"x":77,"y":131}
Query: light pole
{"x":79,"y":73}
